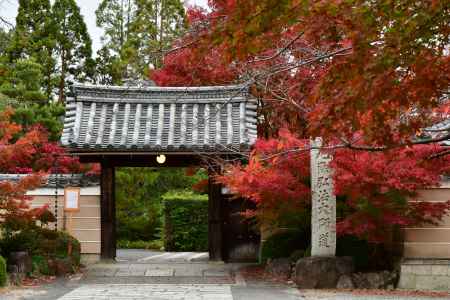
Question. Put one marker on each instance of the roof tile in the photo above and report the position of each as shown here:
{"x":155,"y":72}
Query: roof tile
{"x":160,"y":119}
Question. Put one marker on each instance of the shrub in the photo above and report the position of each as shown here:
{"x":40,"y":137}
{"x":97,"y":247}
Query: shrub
{"x":3,"y":275}
{"x":40,"y":265}
{"x":297,"y":254}
{"x":42,"y":242}
{"x":25,"y":240}
{"x":185,"y":221}
{"x":44,"y":246}
{"x":65,"y":243}
{"x":366,"y":256}
{"x":285,"y":243}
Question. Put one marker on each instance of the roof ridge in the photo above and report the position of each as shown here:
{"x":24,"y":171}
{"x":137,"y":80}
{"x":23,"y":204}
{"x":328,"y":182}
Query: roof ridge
{"x":109,"y":88}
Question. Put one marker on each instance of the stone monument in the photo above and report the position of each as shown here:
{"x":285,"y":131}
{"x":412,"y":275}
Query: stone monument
{"x":323,"y":269}
{"x":323,"y":215}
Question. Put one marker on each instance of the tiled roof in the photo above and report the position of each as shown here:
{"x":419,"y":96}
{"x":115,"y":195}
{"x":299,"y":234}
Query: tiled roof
{"x":438,"y":130}
{"x":60,"y":180}
{"x":165,"y":119}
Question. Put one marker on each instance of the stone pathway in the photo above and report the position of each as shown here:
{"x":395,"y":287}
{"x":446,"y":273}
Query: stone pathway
{"x":139,"y":276}
{"x":151,"y":256}
{"x":150,"y":292}
{"x":154,"y":267}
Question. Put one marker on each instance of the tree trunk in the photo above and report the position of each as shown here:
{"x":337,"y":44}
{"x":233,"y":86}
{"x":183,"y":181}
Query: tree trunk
{"x":48,"y":74}
{"x":62,"y":82}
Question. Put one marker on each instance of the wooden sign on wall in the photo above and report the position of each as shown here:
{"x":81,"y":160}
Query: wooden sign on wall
{"x":72,"y":199}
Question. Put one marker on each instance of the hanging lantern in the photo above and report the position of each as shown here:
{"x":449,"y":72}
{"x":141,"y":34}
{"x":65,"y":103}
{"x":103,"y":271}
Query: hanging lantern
{"x":161,"y":158}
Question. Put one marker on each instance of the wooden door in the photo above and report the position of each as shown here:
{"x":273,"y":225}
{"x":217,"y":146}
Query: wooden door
{"x":241,"y":238}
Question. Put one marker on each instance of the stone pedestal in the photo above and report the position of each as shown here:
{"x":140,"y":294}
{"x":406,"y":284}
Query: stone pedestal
{"x":321,"y":272}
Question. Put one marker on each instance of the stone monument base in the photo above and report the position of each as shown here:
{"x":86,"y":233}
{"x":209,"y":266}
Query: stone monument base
{"x":321,"y":272}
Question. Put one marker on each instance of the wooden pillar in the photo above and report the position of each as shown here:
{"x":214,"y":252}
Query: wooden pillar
{"x":215,"y":220}
{"x":108,"y":212}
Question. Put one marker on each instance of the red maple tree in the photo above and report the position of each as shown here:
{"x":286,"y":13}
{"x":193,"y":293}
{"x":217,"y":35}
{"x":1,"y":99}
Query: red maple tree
{"x":366,"y":76}
{"x":376,"y":190}
{"x":32,"y":154}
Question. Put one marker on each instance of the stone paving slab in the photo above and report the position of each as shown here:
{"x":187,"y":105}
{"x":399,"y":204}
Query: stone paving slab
{"x":159,"y":272}
{"x":152,"y":256}
{"x":158,"y":280}
{"x":265,"y":293}
{"x":150,"y":292}
{"x":187,"y":271}
{"x":216,"y":273}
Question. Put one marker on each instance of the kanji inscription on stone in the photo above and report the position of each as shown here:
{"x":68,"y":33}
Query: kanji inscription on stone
{"x":323,"y":216}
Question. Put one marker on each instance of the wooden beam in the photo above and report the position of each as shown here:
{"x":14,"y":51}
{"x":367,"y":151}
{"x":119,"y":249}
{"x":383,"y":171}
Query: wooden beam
{"x":108,"y":212}
{"x":145,"y":160}
{"x":215,"y":221}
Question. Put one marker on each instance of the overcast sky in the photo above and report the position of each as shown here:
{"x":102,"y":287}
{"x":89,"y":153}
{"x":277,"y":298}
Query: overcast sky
{"x":8,"y":10}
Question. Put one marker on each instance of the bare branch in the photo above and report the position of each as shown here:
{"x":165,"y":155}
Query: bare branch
{"x":174,"y":49}
{"x":281,"y":51}
{"x":310,"y":61}
{"x":440,"y":154}
{"x":6,"y":22}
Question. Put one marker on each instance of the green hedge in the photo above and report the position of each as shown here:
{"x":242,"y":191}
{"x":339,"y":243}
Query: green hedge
{"x":185,"y":221}
{"x":3,"y":276}
{"x":125,"y":244}
{"x":139,"y":194}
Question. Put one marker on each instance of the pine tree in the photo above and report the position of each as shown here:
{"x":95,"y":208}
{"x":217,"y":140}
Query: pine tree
{"x":157,"y":24}
{"x":56,"y":37}
{"x":115,"y":17}
{"x":20,"y":88}
{"x":73,"y":45}
{"x":34,"y":38}
{"x":136,"y":33}
{"x":21,"y":81}
{"x":5,"y":40}
{"x":108,"y":67}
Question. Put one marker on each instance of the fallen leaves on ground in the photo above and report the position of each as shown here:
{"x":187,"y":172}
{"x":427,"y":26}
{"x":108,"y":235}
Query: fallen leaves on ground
{"x":37,"y":281}
{"x":378,"y":292}
{"x":257,"y":273}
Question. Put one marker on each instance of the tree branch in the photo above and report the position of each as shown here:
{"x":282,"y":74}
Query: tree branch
{"x":306,"y":62}
{"x":439,"y":154}
{"x":6,"y":22}
{"x":281,"y":51}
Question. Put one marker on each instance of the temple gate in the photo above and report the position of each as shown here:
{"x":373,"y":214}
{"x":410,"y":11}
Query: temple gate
{"x":185,"y":126}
